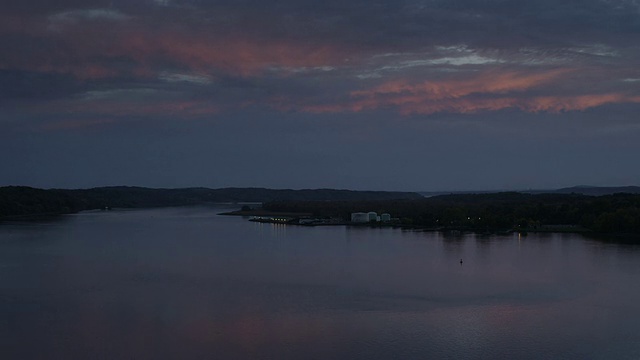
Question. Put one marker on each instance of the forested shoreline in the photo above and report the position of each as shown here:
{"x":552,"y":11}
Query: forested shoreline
{"x":22,"y":201}
{"x":617,"y":213}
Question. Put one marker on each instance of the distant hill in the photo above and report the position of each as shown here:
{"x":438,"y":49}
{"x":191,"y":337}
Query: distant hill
{"x":581,"y":189}
{"x":599,"y":191}
{"x":467,"y":192}
{"x":22,"y":200}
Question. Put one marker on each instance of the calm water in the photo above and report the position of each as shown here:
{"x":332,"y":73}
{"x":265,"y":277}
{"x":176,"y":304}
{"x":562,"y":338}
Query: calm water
{"x":183,"y":283}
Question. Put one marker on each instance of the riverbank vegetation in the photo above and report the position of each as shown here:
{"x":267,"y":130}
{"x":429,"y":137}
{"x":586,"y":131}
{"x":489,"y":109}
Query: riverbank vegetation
{"x":20,"y":201}
{"x":618,"y":213}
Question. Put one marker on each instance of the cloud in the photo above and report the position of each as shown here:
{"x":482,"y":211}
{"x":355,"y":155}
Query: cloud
{"x":162,"y":2}
{"x":492,"y":91}
{"x":185,"y":78}
{"x":236,"y":55}
{"x":470,"y":59}
{"x":490,"y":82}
{"x":410,"y":57}
{"x":119,"y":94}
{"x":597,"y":50}
{"x":98,"y":51}
{"x":71,"y":16}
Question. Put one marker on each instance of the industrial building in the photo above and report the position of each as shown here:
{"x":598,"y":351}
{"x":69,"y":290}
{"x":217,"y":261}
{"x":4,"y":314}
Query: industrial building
{"x":371,"y":216}
{"x":359,"y":217}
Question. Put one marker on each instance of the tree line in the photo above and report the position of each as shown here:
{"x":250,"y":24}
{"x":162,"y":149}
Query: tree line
{"x":617,"y":213}
{"x":21,"y":200}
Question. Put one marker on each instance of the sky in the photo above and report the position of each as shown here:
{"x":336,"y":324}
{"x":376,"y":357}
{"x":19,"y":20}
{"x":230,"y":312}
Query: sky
{"x":415,"y":95}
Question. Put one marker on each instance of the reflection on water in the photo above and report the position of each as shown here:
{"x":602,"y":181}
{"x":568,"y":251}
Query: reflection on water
{"x":185,"y":283}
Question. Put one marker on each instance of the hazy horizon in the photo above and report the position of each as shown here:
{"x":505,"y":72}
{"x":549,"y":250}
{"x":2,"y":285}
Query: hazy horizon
{"x":347,"y":189}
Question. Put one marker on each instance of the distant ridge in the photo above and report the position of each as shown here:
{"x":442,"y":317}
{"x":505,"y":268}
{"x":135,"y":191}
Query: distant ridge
{"x":580,"y":189}
{"x":599,"y":191}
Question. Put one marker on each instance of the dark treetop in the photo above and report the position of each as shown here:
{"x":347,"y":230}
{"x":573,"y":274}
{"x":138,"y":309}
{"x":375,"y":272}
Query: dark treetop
{"x":21,"y":201}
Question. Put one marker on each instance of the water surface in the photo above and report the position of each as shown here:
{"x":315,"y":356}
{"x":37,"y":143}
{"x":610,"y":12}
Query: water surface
{"x":184,"y":283}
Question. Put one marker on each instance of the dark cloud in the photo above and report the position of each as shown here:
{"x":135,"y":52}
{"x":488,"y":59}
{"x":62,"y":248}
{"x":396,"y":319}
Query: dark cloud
{"x":412,"y":23}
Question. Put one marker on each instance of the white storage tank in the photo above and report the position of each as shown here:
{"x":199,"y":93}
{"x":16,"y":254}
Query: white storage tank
{"x":359,"y":217}
{"x":385,"y":217}
{"x":373,"y":216}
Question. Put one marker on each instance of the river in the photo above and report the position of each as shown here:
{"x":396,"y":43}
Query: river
{"x":185,"y":283}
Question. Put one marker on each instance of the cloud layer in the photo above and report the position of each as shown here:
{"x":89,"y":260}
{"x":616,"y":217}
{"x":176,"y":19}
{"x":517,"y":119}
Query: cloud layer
{"x":118,"y":65}
{"x":414,"y":57}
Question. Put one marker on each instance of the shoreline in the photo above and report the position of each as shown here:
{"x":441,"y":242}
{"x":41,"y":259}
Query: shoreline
{"x":256,"y":212}
{"x":629,"y":238}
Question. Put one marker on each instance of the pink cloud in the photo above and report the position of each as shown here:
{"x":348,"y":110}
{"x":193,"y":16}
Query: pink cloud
{"x":104,"y":50}
{"x":490,"y":91}
{"x":233,"y":54}
{"x":493,"y":82}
